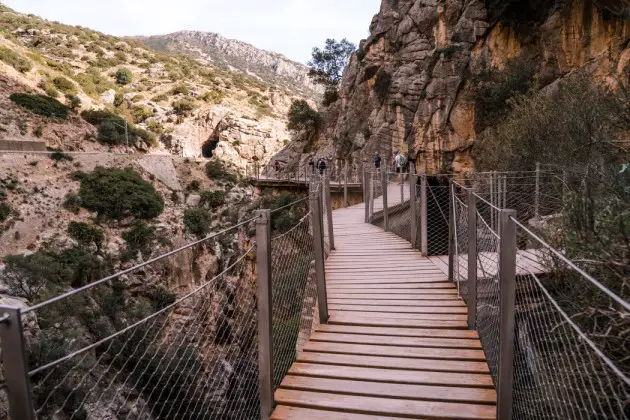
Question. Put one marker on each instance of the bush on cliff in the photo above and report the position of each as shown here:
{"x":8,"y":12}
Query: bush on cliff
{"x":41,"y":105}
{"x":302,"y":117}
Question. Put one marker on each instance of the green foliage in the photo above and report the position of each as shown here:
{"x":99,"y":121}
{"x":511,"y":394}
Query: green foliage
{"x":48,"y":87}
{"x":140,"y":238}
{"x":493,"y":88}
{"x":60,"y":156}
{"x":181,"y":89}
{"x":184,"y":106}
{"x":72,"y":203}
{"x":86,"y":234}
{"x":194,"y":185}
{"x":124,"y":77}
{"x":382,"y":84}
{"x":213,"y":96}
{"x":15,"y":60}
{"x":119,"y":193}
{"x":285,"y":219}
{"x":5,"y":211}
{"x":141,"y":113}
{"x":160,"y":98}
{"x":213,"y":198}
{"x":64,"y":85}
{"x":197,"y":221}
{"x":327,"y":64}
{"x":216,"y":170}
{"x":40,"y":105}
{"x":74,"y":102}
{"x":360,"y":54}
{"x":93,"y":82}
{"x":302,"y":117}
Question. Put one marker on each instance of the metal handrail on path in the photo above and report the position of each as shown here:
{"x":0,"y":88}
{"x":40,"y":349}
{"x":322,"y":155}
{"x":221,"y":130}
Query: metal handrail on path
{"x":166,"y":366}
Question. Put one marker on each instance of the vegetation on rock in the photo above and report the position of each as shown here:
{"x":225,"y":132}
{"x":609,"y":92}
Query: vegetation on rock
{"x":197,"y":221}
{"x":86,"y":234}
{"x":118,"y":193}
{"x":302,"y":117}
{"x":41,"y":105}
{"x":327,"y":64}
{"x":15,"y":60}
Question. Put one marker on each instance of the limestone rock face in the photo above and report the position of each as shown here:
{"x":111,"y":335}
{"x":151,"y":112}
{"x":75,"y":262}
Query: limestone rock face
{"x":430,"y":50}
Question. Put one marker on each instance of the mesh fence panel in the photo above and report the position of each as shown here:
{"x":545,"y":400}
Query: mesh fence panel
{"x":563,"y":366}
{"x":294,"y":294}
{"x":190,"y":358}
{"x":460,"y":257}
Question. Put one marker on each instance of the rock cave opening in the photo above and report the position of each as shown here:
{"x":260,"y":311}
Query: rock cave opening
{"x":209,"y":146}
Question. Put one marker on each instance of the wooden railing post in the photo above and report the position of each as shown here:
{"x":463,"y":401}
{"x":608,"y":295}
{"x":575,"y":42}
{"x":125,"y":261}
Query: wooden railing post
{"x":265,"y":344}
{"x":507,"y":290}
{"x":15,"y":364}
{"x":328,"y":210}
{"x":366,"y":195}
{"x":424,"y":234}
{"x":317,"y":222}
{"x":413,"y":209}
{"x":472,"y":259}
{"x":384,"y":198}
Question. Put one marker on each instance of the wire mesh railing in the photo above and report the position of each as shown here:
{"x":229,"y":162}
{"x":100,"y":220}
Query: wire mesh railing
{"x":554,"y":336}
{"x":305,"y":173}
{"x":127,"y":347}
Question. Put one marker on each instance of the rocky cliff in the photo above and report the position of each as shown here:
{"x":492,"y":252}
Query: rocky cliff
{"x":213,"y":48}
{"x":419,"y":81}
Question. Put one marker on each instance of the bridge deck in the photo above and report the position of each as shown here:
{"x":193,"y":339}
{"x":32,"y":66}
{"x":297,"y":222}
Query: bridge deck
{"x":396,"y":345}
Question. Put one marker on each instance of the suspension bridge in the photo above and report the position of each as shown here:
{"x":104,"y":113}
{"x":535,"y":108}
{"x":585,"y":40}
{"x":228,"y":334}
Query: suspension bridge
{"x":435,"y":298}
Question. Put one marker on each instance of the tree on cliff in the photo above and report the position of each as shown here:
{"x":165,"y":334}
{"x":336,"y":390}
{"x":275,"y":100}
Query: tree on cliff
{"x":302,"y":117}
{"x":327,"y":65}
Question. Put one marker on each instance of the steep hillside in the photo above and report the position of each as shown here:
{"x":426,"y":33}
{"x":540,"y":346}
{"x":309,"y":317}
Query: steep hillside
{"x":212,"y":48}
{"x":152,"y":100}
{"x":434,"y":76}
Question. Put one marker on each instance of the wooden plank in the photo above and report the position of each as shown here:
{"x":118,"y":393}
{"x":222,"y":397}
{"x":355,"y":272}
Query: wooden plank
{"x":389,"y":390}
{"x":399,"y":309}
{"x":440,"y":287}
{"x":401,"y":303}
{"x":392,"y":295}
{"x":398,"y":332}
{"x":384,"y":340}
{"x":393,"y":351}
{"x":419,"y":377}
{"x":384,"y":406}
{"x":284,"y":412}
{"x":393,"y":362}
{"x":429,"y":315}
{"x":343,"y":318}
{"x":355,"y":280}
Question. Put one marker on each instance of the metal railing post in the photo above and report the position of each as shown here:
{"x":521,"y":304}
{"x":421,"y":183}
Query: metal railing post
{"x":451,"y":232}
{"x":424,"y":235}
{"x":384,"y":197}
{"x":15,"y":364}
{"x":472,"y":259}
{"x":318,"y":238}
{"x":328,"y":210}
{"x":345,"y":185}
{"x":366,"y":196}
{"x":413,"y":209}
{"x":537,"y":196}
{"x":373,"y":179}
{"x":265,"y":344}
{"x":507,"y":290}
{"x":402,"y":188}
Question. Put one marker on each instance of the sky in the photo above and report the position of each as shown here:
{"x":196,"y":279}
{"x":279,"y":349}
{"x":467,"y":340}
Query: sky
{"x":290,"y":27}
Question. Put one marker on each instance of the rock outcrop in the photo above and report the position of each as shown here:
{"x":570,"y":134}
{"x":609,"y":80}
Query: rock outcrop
{"x":411,"y":85}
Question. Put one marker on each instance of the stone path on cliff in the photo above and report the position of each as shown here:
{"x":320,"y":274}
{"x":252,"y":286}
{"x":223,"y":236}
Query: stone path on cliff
{"x":396,"y":344}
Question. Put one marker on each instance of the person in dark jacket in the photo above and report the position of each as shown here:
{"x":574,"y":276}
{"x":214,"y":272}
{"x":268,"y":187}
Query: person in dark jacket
{"x":377,"y":161}
{"x":321,"y":165}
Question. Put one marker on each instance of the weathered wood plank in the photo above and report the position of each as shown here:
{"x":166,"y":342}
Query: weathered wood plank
{"x":399,"y":332}
{"x":283,"y":412}
{"x":412,"y":352}
{"x":384,"y":406}
{"x":384,"y":340}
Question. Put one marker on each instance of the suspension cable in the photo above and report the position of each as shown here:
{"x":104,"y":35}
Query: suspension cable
{"x":134,"y":268}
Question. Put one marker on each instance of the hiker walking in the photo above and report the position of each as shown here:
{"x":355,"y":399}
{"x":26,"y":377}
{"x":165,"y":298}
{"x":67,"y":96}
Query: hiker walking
{"x":400,"y":165}
{"x":377,"y":161}
{"x":321,"y":165}
{"x":311,"y":163}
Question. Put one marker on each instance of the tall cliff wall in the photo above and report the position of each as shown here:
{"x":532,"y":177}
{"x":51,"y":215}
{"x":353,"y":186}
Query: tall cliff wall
{"x":413,"y":86}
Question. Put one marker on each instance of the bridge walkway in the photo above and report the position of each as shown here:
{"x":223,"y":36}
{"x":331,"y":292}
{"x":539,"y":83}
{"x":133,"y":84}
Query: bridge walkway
{"x":396,"y":344}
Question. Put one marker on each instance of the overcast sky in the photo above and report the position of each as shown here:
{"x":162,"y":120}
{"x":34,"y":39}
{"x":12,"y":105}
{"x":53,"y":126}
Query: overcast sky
{"x":290,"y":27}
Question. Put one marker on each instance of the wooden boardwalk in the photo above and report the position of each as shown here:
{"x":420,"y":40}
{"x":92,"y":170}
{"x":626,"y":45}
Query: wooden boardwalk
{"x":397,"y":343}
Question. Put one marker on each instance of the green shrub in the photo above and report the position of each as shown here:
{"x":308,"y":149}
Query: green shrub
{"x":331,"y":96}
{"x":213,"y":96}
{"x":124,"y":76}
{"x":382,"y":84}
{"x":73,"y":203}
{"x":86,"y":234}
{"x":139,"y":238}
{"x":48,"y":87}
{"x":213,"y":198}
{"x":303,"y":117}
{"x":287,"y":218}
{"x":59,"y":156}
{"x":216,"y":170}
{"x":141,"y":113}
{"x":184,"y":106}
{"x":120,"y":56}
{"x":180,"y":89}
{"x":119,"y":193}
{"x":73,"y":101}
{"x":5,"y":211}
{"x":64,"y":85}
{"x":194,"y":185}
{"x":360,"y":54}
{"x":15,"y":60}
{"x":160,"y":98}
{"x":41,"y":105}
{"x":197,"y":221}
